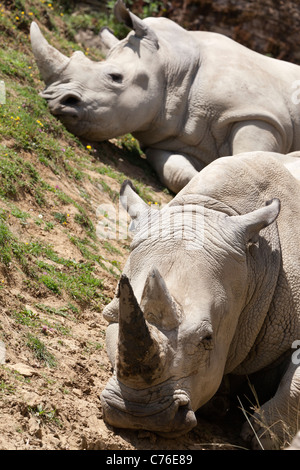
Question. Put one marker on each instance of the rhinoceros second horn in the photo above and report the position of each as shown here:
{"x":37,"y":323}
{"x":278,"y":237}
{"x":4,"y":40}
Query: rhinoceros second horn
{"x":157,"y":303}
{"x":138,"y":351}
{"x":49,"y":60}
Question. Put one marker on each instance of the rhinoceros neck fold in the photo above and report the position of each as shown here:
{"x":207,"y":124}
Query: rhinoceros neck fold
{"x":202,"y":200}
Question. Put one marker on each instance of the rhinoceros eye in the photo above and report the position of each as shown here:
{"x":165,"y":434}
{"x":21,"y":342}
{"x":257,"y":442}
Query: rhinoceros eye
{"x":116,"y":77}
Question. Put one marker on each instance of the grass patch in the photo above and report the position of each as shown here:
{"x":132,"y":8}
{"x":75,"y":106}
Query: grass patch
{"x":110,"y":248}
{"x":40,"y":351}
{"x":6,"y":388}
{"x":18,"y":177}
{"x":27,"y":317}
{"x":76,"y":279}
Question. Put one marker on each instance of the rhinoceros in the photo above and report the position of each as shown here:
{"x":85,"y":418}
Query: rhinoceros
{"x":210,"y":291}
{"x":188,"y":97}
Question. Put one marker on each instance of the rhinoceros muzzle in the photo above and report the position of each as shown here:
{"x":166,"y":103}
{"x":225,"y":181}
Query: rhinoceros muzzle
{"x":64,"y":106}
{"x":142,"y":394}
{"x":65,"y":112}
{"x":169,"y":414}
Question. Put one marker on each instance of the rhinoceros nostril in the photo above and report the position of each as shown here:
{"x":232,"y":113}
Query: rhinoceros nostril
{"x":70,"y":101}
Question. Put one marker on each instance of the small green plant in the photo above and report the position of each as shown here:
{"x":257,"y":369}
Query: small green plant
{"x":48,"y":226}
{"x":50,"y":282}
{"x":48,"y":416}
{"x":27,"y":317}
{"x":16,"y":212}
{"x":6,"y":388}
{"x":84,"y":220}
{"x":60,"y":217}
{"x":110,"y":248}
{"x":40,"y":351}
{"x":5,"y":238}
{"x":61,"y":311}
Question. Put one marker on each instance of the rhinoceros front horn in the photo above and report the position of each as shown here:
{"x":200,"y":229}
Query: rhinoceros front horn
{"x":49,"y":60}
{"x":139,"y":353}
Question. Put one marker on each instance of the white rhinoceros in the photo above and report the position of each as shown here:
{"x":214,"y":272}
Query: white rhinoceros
{"x":210,"y":290}
{"x":188,"y":97}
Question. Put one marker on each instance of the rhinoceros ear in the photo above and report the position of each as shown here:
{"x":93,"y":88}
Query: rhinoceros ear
{"x":252,"y":223}
{"x":142,"y":31}
{"x":108,"y":38}
{"x":49,"y":60}
{"x":131,"y":201}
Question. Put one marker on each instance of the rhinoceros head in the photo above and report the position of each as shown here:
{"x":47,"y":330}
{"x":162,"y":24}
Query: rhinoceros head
{"x":176,"y":311}
{"x":102,"y":100}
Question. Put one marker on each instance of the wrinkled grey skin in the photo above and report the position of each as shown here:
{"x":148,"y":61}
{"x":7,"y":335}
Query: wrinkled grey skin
{"x":208,"y":294}
{"x":188,"y":97}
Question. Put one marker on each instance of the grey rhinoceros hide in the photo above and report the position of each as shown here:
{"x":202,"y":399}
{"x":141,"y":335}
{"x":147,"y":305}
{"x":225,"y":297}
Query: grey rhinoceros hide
{"x":188,"y":97}
{"x":210,"y":292}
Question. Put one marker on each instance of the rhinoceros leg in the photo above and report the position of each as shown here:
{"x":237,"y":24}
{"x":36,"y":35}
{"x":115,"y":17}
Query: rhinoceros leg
{"x":174,"y":170}
{"x":278,"y":420}
{"x":249,"y":136}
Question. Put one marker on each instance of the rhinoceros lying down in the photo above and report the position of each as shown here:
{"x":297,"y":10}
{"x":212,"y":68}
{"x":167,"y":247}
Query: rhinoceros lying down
{"x":188,"y":97}
{"x":210,"y":290}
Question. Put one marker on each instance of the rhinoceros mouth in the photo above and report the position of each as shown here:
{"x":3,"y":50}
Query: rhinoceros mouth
{"x":169,"y":414}
{"x":67,"y":116}
{"x":73,"y":123}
